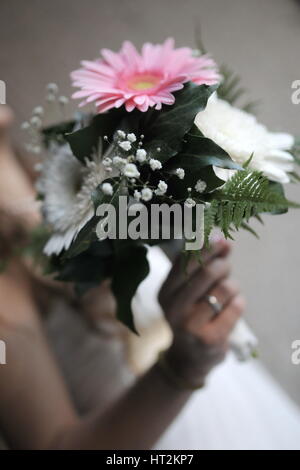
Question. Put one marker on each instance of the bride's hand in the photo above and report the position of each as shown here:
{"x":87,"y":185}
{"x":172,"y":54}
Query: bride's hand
{"x":200,"y":336}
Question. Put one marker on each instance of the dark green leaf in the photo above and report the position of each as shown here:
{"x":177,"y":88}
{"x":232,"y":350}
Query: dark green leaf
{"x":84,"y":268}
{"x":86,"y":141}
{"x":173,"y":122}
{"x":57,"y":132}
{"x":199,"y":151}
{"x":178,"y":188}
{"x":130,"y":268}
{"x":83,"y":240}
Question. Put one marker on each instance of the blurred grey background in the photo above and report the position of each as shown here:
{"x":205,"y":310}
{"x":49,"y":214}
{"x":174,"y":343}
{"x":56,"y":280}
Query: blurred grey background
{"x":42,"y":41}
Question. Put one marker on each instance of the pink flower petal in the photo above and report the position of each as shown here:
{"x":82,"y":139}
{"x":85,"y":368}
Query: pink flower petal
{"x":141,"y":80}
{"x":129,"y":105}
{"x":113,"y":59}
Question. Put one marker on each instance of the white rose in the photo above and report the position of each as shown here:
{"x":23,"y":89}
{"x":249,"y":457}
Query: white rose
{"x":240,"y":135}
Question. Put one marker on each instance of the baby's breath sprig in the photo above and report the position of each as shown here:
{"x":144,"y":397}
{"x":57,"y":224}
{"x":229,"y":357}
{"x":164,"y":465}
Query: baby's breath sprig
{"x":53,"y":110}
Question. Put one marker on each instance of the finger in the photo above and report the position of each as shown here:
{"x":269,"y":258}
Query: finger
{"x":201,"y":282}
{"x":224,"y":291}
{"x":199,"y":315}
{"x":205,"y":279}
{"x":222,"y":325}
{"x":6,"y":116}
{"x":180,"y":273}
{"x":202,"y":312}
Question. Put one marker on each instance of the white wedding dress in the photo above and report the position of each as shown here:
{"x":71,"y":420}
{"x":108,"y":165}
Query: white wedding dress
{"x":241,"y":407}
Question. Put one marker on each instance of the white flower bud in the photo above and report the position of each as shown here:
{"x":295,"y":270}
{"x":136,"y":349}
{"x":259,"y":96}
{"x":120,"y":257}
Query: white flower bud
{"x":155,"y":164}
{"x":52,"y":88}
{"x":200,"y":186}
{"x":189,"y":202}
{"x":107,"y":189}
{"x":161,"y":188}
{"x":126,"y":145}
{"x":137,"y":195}
{"x":107,"y":161}
{"x":63,"y":100}
{"x":147,"y":194}
{"x":141,"y":155}
{"x":131,"y":137}
{"x":36,"y":122}
{"x":180,"y":173}
{"x":119,"y":162}
{"x":38,"y":111}
{"x":130,"y":170}
{"x":121,"y":134}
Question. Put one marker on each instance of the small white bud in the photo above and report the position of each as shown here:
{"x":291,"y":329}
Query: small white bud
{"x":107,"y":161}
{"x":107,"y":189}
{"x":119,"y":162}
{"x":36,"y":122}
{"x":131,"y":137}
{"x":161,"y":188}
{"x":147,"y":194}
{"x":52,"y":88}
{"x":38,"y":111}
{"x":200,"y":186}
{"x":155,"y":164}
{"x":180,"y":173}
{"x":130,"y":170}
{"x":190,"y":202}
{"x":126,"y":145}
{"x":137,"y":195}
{"x":63,"y":100}
{"x":141,"y":155}
{"x":121,"y":134}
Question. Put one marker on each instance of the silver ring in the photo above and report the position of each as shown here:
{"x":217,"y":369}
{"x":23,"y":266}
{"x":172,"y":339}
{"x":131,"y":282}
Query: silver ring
{"x":214,"y":304}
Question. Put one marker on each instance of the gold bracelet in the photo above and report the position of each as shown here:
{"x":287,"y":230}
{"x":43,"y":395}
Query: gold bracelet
{"x":173,"y":378}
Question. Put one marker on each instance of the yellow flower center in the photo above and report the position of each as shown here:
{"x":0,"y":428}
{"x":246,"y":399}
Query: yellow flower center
{"x":143,"y":82}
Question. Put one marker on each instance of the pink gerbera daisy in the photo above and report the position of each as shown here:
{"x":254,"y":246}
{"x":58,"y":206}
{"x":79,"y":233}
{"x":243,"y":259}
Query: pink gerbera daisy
{"x":141,"y":80}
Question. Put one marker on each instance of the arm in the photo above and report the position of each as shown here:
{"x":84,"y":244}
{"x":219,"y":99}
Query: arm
{"x":35,"y":409}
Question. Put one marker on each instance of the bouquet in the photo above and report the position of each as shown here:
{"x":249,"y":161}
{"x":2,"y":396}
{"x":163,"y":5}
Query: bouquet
{"x":163,"y":134}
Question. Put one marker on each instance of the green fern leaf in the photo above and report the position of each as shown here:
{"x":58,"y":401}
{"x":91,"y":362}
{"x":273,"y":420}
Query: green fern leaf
{"x":248,"y":193}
